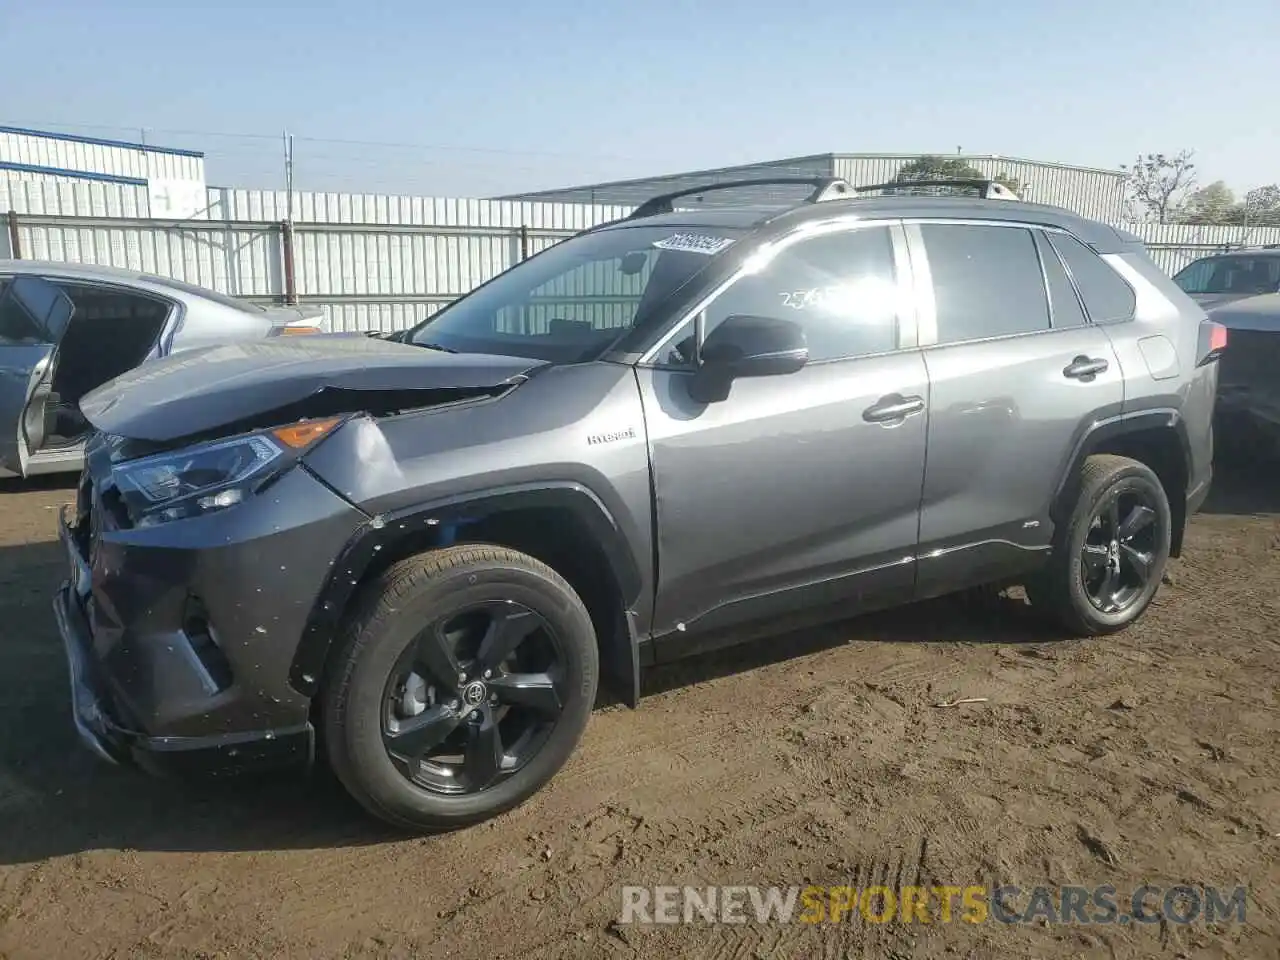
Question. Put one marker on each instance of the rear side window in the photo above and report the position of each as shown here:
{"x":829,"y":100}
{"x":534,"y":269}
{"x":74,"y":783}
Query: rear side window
{"x":1105,"y":293}
{"x":986,"y":281}
{"x":1064,"y":305}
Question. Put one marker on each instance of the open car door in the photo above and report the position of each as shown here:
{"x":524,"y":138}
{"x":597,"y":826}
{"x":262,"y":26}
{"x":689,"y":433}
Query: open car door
{"x":34,"y":314}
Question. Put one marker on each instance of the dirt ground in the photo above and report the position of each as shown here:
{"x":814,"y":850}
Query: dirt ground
{"x":1149,"y":757}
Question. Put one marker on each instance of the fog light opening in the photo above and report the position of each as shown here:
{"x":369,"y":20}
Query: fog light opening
{"x":213,"y":665}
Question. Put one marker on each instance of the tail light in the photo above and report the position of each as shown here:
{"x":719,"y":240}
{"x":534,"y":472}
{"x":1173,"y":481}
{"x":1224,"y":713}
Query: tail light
{"x":1213,"y":342}
{"x":297,"y":331}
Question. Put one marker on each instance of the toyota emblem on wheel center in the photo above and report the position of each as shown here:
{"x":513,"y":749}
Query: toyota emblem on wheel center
{"x":473,"y":694}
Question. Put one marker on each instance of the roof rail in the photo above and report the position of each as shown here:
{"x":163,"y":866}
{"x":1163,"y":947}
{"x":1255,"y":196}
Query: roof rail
{"x":824,"y":188}
{"x":989,"y":188}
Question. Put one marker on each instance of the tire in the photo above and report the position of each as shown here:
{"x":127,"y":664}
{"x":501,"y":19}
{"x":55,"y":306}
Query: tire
{"x":1061,"y":591}
{"x":387,"y":626}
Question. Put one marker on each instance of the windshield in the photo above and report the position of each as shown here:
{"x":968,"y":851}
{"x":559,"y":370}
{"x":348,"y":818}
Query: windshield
{"x":1235,"y":274}
{"x":570,"y":303}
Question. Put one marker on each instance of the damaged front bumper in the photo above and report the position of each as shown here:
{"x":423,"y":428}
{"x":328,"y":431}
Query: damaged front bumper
{"x":179,"y":638}
{"x":99,"y":730}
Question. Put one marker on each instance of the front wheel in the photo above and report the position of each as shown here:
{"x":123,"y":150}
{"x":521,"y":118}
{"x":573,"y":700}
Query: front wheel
{"x":1109,"y":561}
{"x":465,"y":680}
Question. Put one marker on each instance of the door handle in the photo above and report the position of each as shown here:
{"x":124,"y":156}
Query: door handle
{"x":1085,"y":368}
{"x":893,"y":407}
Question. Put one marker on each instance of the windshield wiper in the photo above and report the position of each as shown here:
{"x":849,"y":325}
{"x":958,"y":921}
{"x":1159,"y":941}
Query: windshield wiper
{"x":434,"y":346}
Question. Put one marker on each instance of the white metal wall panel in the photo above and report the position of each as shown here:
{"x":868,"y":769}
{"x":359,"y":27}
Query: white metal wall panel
{"x":1092,"y":193}
{"x":1189,"y":234}
{"x":632,"y":193}
{"x":114,"y":159}
{"x":309,"y":207}
{"x":369,"y":262}
{"x":1173,"y":245}
{"x":374,"y":315}
{"x":236,"y":261}
{"x":39,"y":193}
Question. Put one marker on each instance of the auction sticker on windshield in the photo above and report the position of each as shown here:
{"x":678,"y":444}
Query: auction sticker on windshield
{"x":693,"y":243}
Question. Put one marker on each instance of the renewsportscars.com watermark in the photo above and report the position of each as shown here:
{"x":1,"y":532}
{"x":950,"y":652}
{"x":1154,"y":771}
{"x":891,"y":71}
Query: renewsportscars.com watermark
{"x":1183,"y":904}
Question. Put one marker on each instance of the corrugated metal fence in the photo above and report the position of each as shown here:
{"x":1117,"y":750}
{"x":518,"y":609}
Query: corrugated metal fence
{"x":371,"y":261}
{"x":1174,"y":245}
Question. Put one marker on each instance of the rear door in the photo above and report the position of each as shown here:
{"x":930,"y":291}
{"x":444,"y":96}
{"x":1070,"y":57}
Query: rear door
{"x":1015,"y":370}
{"x":34,"y":315}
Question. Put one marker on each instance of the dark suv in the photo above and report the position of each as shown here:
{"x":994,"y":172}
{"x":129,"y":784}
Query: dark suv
{"x":667,"y":434}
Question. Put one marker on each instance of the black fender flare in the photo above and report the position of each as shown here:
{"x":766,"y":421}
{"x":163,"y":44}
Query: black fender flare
{"x":1094,"y":435}
{"x":447,"y":516}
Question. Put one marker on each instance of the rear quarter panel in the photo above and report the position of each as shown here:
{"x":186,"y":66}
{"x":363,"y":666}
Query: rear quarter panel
{"x":1160,"y":377}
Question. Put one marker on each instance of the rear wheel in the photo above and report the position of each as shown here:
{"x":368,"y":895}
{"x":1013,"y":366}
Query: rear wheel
{"x":465,"y":681}
{"x":1109,"y":560}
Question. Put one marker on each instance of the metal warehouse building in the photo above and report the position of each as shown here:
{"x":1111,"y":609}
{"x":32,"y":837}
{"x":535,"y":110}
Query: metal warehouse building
{"x":1089,"y":191}
{"x":90,"y":176}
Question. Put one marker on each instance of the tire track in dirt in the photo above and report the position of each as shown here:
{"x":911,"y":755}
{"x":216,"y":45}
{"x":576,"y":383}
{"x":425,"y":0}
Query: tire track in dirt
{"x":832,"y":767}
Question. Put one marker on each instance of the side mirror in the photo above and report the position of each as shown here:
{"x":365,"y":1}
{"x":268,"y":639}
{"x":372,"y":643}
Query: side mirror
{"x":747,"y":346}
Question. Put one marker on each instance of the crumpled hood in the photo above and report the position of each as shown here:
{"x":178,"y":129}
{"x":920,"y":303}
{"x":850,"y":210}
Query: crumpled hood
{"x":1243,"y":312}
{"x":198,"y":391}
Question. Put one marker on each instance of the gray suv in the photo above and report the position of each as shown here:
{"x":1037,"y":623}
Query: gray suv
{"x":419,"y":555}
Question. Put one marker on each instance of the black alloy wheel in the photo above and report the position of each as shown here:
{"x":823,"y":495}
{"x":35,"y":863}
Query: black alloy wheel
{"x":474,"y":697}
{"x":463,"y":683}
{"x":1120,"y":549}
{"x":1109,"y":553}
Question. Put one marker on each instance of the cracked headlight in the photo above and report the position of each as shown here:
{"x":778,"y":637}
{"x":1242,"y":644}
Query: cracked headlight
{"x":212,"y":476}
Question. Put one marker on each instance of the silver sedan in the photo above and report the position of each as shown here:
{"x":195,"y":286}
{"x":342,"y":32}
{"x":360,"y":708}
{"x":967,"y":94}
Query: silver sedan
{"x":67,"y":328}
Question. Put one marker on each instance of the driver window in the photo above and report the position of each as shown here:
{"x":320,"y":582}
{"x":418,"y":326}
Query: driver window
{"x":840,"y":287}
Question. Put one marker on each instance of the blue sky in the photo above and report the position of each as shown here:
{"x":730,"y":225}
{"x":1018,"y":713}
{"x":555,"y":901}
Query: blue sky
{"x":456,"y":98}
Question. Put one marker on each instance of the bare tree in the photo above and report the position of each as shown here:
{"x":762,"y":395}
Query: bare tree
{"x":1158,"y":183}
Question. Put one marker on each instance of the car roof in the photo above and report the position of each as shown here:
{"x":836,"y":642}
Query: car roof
{"x":68,"y":269}
{"x":168,"y":287}
{"x":1102,"y":237}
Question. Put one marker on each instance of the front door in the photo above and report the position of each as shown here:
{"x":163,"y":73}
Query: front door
{"x":796,"y":496}
{"x":1015,"y":371}
{"x":33,"y":317}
